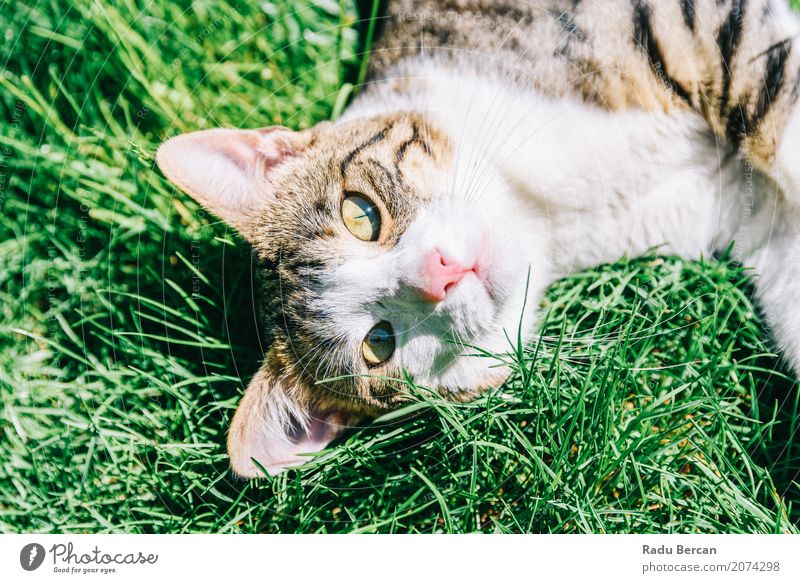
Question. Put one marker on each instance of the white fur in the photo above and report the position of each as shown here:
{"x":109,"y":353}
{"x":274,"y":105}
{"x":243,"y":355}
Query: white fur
{"x":559,"y":185}
{"x":788,"y":160}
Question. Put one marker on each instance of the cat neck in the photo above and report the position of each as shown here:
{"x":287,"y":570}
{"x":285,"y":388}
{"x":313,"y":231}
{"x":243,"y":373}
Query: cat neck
{"x":547,"y":148}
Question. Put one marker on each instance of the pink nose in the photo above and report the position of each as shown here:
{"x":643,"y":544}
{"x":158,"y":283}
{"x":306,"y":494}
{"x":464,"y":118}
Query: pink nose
{"x":440,"y":275}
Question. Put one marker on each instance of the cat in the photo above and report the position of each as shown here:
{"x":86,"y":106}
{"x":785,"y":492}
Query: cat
{"x":498,"y":146}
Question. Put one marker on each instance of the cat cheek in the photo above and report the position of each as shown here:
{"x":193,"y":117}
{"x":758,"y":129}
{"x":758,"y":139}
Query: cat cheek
{"x":480,"y":382}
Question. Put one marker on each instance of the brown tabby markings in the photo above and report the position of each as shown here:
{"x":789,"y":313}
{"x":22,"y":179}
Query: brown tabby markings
{"x":645,"y":38}
{"x":384,"y":166}
{"x":725,"y":59}
{"x":687,"y":8}
{"x":617,"y":54}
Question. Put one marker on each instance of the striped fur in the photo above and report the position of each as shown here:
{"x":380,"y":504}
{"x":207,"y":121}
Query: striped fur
{"x":734,"y":61}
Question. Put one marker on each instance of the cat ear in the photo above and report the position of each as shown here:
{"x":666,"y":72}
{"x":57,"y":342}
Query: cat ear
{"x":228,"y":170}
{"x":276,"y":423}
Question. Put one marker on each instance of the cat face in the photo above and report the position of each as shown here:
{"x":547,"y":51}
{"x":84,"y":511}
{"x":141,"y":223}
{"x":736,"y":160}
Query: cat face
{"x":388,"y":256}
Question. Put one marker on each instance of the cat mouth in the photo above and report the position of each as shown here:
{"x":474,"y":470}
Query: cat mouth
{"x":482,"y":268}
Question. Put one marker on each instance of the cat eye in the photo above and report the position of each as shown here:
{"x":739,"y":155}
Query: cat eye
{"x":361,"y":217}
{"x":378,"y":344}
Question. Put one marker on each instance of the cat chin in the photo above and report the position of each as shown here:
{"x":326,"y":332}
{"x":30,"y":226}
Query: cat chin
{"x":475,"y":370}
{"x":488,"y":380}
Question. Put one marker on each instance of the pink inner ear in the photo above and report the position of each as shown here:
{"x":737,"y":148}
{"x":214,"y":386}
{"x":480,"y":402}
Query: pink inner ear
{"x":224,"y":169}
{"x":321,"y":430}
{"x":277,"y":454}
{"x":246,"y":148}
{"x":266,"y":431}
{"x":242,"y":154}
{"x":275,"y":148}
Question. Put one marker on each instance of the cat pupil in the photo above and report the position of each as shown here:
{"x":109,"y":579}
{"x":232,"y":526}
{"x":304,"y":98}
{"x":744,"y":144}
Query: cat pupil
{"x":379,"y":343}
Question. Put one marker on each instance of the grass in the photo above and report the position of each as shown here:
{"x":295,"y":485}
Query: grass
{"x":649,"y":403}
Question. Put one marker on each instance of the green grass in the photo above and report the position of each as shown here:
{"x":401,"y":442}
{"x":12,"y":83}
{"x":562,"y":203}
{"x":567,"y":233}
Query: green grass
{"x":650,"y":403}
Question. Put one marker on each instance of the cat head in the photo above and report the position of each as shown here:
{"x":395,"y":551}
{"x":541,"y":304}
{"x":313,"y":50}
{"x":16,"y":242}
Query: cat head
{"x":390,"y":252}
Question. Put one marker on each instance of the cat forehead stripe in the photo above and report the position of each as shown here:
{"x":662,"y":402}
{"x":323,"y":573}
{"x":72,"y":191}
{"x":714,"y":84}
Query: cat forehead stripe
{"x":415,"y":138}
{"x":378,"y":137}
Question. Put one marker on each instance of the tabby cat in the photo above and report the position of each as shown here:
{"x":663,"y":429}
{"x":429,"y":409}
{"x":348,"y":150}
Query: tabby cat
{"x":499,"y":145}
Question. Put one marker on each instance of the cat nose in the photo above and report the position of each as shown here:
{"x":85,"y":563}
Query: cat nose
{"x":439,"y":275}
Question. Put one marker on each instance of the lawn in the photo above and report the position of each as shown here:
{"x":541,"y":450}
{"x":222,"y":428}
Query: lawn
{"x":650,"y":402}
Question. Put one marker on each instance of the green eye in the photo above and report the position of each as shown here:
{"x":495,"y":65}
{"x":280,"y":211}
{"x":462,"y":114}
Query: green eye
{"x":378,"y":344}
{"x":361,"y":217}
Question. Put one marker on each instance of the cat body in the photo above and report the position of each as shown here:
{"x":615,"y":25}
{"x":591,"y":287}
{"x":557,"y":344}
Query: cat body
{"x":565,"y":100}
{"x":497,"y":147}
